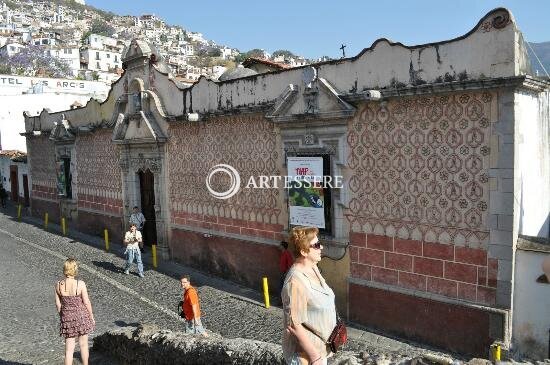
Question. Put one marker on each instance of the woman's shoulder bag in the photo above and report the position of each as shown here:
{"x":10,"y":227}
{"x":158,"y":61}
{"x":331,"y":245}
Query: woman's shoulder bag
{"x":338,"y":337}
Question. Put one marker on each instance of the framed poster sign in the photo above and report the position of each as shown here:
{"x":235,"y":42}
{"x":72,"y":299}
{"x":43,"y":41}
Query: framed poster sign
{"x":305,"y":195}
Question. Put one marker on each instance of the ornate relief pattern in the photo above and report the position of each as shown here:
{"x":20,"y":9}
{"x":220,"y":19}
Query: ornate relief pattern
{"x":43,"y":165}
{"x":419,"y":168}
{"x":98,"y":165}
{"x":248,"y":143}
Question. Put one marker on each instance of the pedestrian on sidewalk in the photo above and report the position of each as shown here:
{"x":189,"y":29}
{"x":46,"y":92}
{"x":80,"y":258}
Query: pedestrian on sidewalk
{"x":133,"y":241}
{"x":138,"y":219}
{"x":285,"y":263}
{"x":3,"y":195}
{"x":191,"y":308}
{"x":75,"y":311}
{"x":308,"y":303}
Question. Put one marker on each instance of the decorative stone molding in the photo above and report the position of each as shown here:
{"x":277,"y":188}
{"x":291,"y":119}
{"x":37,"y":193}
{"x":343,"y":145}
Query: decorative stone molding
{"x":142,"y":163}
{"x":320,"y":101}
{"x":62,"y":131}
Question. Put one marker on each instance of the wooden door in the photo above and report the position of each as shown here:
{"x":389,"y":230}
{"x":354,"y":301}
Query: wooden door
{"x":26,"y":189}
{"x":147,"y":191}
{"x":14,"y":184}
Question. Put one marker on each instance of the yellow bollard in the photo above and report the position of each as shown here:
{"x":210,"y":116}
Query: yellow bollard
{"x":266,"y":292}
{"x":154,"y":252}
{"x":495,"y":352}
{"x":106,"y":235}
{"x":46,"y":221}
{"x":63,"y":226}
{"x":19,"y":212}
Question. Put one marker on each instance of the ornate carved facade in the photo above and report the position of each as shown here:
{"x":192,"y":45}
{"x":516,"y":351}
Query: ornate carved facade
{"x":427,"y":143}
{"x":420,"y":168}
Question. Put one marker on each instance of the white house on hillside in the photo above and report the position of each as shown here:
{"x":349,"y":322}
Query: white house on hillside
{"x":99,"y":60}
{"x":97,"y":41}
{"x":71,"y":55}
{"x":11,"y":49}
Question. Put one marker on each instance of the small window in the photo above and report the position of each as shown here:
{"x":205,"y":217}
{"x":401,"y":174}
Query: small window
{"x":108,"y":55}
{"x":137,"y":102}
{"x":97,"y":55}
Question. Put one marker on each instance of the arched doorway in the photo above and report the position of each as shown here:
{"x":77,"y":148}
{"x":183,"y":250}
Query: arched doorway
{"x":147,"y":192}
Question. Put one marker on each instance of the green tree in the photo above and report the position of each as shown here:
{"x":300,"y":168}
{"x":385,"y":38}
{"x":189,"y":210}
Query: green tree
{"x":256,"y":52}
{"x":214,"y":52}
{"x":10,"y":4}
{"x":102,"y":28}
{"x":283,"y":52}
{"x":240,"y":58}
{"x":163,"y":38}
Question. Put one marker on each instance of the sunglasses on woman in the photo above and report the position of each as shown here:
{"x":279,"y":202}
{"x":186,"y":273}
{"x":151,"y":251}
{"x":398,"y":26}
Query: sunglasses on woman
{"x":316,"y":246}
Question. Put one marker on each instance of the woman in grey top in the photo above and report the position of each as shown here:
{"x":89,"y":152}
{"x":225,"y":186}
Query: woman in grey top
{"x":308,"y":303}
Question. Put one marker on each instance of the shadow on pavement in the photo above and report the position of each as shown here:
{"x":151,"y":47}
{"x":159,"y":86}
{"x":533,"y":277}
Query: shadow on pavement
{"x":108,"y":266}
{"x":5,"y":362}
{"x":126,"y":324}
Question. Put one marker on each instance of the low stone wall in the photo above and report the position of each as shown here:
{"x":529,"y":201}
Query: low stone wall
{"x":149,"y":345}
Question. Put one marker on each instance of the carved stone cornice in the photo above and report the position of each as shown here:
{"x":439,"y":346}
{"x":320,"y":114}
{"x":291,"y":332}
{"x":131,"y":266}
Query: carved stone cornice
{"x":526,"y":82}
{"x":154,"y":164}
{"x":62,"y":131}
{"x":287,"y":107}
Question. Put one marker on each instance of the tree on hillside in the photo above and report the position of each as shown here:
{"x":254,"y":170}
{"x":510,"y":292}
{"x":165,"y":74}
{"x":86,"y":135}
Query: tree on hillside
{"x":214,"y":52}
{"x":11,"y":4}
{"x":102,"y":28}
{"x":283,"y":52}
{"x":256,"y":53}
{"x":33,"y":61}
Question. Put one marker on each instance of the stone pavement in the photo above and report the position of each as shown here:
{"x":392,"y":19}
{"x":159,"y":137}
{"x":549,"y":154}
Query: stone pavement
{"x":119,"y":300}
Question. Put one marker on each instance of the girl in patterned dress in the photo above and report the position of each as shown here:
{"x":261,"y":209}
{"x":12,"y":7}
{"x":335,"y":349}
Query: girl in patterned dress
{"x":75,"y":311}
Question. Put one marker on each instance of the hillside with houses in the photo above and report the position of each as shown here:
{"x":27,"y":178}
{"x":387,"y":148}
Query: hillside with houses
{"x":67,"y":38}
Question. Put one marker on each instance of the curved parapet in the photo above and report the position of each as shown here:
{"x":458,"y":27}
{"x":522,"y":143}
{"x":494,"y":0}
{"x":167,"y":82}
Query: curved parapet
{"x":494,"y":48}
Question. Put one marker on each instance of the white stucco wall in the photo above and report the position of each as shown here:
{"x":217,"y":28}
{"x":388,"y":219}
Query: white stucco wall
{"x":531,"y":319}
{"x":22,"y":169}
{"x":53,"y":94}
{"x":12,"y":121}
{"x":533,"y":168}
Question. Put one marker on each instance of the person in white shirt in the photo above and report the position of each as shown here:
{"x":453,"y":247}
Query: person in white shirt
{"x":137,"y":218}
{"x":133,"y":241}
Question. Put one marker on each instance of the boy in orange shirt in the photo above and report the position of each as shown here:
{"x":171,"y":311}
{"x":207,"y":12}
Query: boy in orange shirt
{"x":191,"y":308}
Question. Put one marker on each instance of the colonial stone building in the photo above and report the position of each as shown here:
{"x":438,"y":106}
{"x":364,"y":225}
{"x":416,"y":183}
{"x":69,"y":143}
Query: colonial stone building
{"x":443,"y":149}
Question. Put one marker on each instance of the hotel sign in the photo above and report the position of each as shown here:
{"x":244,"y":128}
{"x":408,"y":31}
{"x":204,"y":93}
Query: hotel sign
{"x":53,"y":85}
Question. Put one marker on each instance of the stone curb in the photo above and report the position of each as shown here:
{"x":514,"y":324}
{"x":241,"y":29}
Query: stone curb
{"x":149,"y":345}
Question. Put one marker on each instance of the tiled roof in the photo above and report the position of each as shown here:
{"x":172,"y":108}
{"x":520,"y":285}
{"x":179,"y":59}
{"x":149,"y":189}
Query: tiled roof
{"x":14,"y":155}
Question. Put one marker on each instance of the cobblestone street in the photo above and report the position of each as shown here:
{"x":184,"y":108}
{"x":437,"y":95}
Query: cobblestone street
{"x":31,"y":261}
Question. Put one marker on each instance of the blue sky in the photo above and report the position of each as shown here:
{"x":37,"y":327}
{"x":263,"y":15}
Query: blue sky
{"x":316,"y":28}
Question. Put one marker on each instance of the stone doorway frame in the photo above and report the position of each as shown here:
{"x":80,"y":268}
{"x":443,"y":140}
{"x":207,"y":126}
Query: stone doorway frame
{"x":140,"y":157}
